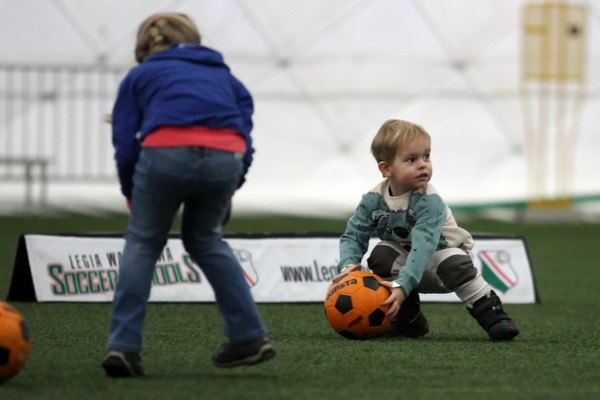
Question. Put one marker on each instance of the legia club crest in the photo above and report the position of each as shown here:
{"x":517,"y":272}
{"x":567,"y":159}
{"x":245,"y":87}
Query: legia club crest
{"x":496,"y":269}
{"x":245,"y":259}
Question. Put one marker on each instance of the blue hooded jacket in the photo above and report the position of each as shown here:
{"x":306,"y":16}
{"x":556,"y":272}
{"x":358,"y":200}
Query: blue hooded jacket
{"x":184,"y":85}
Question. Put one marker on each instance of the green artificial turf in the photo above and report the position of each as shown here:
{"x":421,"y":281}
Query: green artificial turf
{"x":557,"y":355}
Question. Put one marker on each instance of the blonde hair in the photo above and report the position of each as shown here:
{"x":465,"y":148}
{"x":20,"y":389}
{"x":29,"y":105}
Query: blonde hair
{"x":393,"y":134}
{"x":162,"y":30}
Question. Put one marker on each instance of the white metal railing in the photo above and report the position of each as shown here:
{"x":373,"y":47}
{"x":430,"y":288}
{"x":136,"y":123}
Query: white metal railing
{"x":52,"y":116}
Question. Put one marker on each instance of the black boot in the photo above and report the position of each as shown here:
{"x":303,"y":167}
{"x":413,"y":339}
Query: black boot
{"x":410,"y":321}
{"x":493,"y":319}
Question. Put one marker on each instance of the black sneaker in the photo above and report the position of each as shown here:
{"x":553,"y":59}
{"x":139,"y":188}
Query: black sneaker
{"x":401,"y":327}
{"x":410,"y":321}
{"x":248,"y":353}
{"x":490,"y":315}
{"x":503,"y":331}
{"x":122,"y":364}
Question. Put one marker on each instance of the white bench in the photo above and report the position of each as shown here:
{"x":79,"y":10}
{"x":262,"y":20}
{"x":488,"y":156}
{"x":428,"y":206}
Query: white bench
{"x":30,"y":164}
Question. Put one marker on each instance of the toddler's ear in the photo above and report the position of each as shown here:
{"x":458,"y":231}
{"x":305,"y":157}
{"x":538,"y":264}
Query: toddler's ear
{"x":384,"y":168}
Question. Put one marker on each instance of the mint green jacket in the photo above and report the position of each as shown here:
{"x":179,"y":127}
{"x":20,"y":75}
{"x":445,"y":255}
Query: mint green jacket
{"x":419,"y":221}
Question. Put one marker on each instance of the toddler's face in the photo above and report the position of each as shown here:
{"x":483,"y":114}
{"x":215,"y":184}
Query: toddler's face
{"x":411,"y":167}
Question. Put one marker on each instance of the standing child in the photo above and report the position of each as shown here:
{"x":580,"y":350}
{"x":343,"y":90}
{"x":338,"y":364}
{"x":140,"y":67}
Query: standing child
{"x":181,"y":130}
{"x":422,"y":249}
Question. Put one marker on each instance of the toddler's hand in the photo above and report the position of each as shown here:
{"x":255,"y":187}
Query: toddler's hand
{"x":351,"y":268}
{"x":395,"y":300}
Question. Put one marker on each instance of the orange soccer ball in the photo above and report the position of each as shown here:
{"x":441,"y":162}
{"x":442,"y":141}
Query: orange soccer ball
{"x":14,"y":342}
{"x":353,"y":305}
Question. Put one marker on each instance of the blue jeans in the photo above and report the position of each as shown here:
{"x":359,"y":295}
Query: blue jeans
{"x":204,"y":181}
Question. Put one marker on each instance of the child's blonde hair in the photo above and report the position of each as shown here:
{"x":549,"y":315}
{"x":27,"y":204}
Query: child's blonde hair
{"x":162,"y":30}
{"x":393,"y":134}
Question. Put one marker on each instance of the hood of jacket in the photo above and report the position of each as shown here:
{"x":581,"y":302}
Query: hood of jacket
{"x":191,"y":53}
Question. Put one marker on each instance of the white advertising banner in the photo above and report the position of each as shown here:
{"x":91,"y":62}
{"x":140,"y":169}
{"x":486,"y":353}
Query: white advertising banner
{"x":278,"y":269}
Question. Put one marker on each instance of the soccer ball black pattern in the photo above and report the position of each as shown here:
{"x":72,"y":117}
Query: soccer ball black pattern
{"x":353,"y":305}
{"x":14,"y":342}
